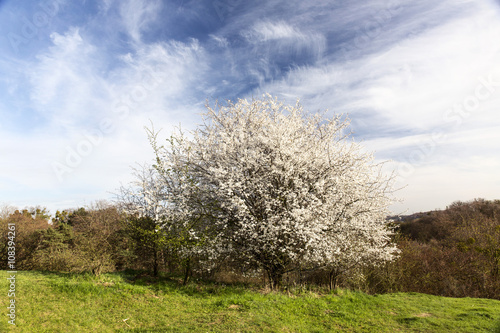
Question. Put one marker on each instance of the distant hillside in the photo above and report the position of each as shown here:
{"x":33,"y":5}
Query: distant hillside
{"x":452,"y":252}
{"x":440,"y":224}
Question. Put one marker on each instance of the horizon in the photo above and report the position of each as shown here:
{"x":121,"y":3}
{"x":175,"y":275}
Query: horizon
{"x":4,"y":208}
{"x":419,"y":81}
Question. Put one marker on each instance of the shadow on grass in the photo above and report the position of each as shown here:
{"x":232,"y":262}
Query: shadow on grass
{"x":62,"y":277}
{"x":173,"y":283}
{"x":141,"y":330}
{"x":166,"y":283}
{"x":408,"y":320}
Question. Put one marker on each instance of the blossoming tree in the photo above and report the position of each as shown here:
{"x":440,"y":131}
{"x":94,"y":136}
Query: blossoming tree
{"x":278,"y":188}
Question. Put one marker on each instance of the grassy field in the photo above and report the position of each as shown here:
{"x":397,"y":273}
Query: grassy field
{"x":51,"y":302}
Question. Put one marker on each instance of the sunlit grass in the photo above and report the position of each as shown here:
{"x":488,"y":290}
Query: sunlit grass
{"x":51,"y":302}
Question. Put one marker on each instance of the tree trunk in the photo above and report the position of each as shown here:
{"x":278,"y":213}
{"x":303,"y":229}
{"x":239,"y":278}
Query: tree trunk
{"x":155,"y":263}
{"x":333,"y":278}
{"x":187,"y":272}
{"x":275,"y":274}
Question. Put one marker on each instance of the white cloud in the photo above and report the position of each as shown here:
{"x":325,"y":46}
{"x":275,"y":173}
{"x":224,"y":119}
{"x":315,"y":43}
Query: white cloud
{"x":65,"y":87}
{"x":73,"y":87}
{"x":268,"y":31}
{"x":220,"y":41}
{"x":282,"y":38}
{"x":137,"y":15}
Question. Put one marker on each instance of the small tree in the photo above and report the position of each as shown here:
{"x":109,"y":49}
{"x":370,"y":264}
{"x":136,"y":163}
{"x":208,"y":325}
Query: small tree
{"x":275,"y":188}
{"x":155,"y":222}
{"x":55,"y":249}
{"x":149,"y":240}
{"x":144,"y":203}
{"x":98,"y":237}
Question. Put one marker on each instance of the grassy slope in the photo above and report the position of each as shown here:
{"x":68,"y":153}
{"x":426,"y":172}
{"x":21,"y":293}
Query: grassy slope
{"x":81,"y":303}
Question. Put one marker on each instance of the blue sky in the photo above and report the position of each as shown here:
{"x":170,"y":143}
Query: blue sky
{"x":80,"y":80}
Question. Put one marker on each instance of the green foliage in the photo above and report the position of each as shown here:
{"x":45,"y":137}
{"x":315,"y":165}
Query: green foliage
{"x":56,"y":250}
{"x":61,"y":217}
{"x":91,"y":239}
{"x":38,"y":212}
{"x":150,"y":241}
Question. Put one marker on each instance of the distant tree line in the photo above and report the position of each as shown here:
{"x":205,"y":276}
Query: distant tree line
{"x":94,"y":239}
{"x":453,"y":252}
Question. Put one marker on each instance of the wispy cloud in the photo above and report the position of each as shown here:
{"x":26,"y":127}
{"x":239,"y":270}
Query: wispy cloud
{"x":420,"y":81}
{"x":65,"y":88}
{"x":137,"y":15}
{"x":409,"y":83}
{"x":285,"y":38}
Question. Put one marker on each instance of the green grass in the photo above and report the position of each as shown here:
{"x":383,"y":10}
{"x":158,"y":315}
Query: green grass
{"x":52,"y":302}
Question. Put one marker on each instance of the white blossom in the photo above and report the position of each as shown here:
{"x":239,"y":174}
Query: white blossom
{"x":276,"y":188}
